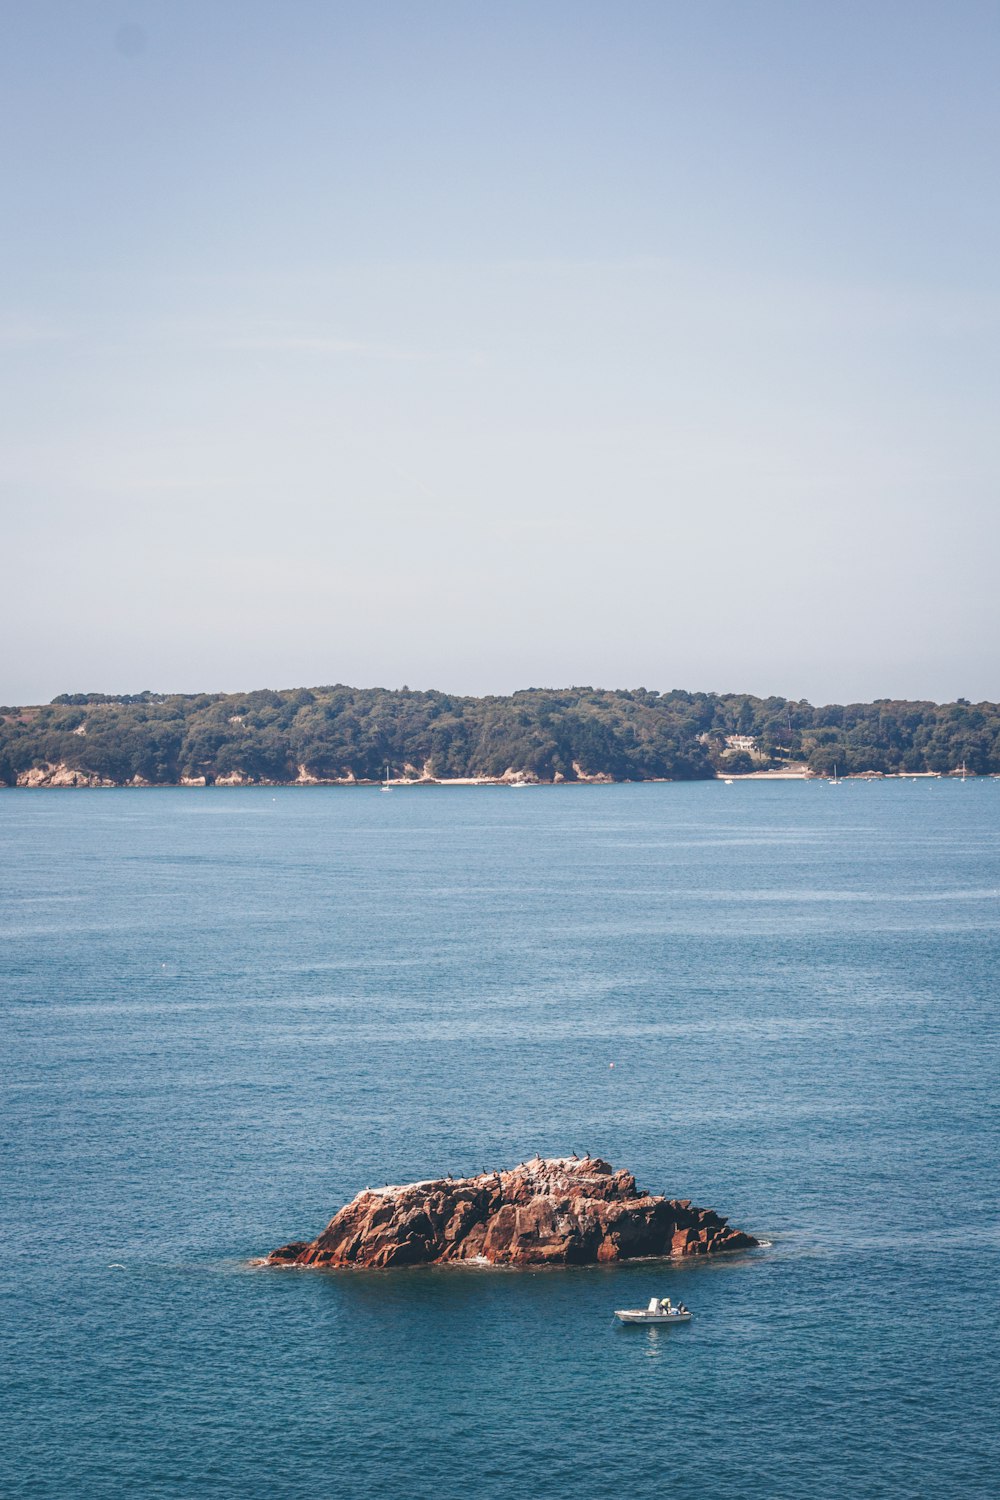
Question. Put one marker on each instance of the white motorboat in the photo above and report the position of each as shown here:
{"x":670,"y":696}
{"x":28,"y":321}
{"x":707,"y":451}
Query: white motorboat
{"x":660,"y":1310}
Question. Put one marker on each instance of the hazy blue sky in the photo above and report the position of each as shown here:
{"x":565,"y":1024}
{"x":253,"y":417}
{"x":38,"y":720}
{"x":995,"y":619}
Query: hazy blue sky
{"x":491,"y":345}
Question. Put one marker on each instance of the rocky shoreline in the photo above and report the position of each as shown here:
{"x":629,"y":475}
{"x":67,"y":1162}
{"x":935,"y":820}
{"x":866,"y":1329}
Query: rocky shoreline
{"x":60,"y":774}
{"x":564,"y":1210}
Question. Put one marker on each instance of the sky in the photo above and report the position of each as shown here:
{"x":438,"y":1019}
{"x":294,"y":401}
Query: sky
{"x":483,"y":347}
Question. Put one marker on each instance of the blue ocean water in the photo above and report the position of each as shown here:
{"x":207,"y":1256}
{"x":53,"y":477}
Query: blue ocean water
{"x":226,"y":1011}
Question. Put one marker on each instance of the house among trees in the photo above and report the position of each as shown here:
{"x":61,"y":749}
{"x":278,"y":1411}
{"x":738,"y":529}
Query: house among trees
{"x":744,"y":742}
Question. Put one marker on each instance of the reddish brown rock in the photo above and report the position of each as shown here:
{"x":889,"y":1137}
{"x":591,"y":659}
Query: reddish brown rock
{"x":560,"y":1211}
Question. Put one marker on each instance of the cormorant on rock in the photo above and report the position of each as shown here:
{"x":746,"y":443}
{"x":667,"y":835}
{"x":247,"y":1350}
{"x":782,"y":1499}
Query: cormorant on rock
{"x":575,"y":1157}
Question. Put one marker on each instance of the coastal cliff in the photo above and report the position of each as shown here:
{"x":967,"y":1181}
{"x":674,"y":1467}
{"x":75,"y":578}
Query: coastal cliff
{"x":556,"y":1211}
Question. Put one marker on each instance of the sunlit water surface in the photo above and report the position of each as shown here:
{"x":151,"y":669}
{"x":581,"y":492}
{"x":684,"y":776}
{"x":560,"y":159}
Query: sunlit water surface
{"x":226,"y":1011}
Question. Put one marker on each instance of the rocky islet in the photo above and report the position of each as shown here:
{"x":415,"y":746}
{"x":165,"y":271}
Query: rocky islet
{"x":547,"y":1211}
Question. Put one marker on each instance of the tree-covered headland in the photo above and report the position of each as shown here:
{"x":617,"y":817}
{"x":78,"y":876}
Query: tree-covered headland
{"x":341,"y":733}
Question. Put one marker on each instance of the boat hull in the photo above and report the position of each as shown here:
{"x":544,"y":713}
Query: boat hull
{"x":639,"y":1315}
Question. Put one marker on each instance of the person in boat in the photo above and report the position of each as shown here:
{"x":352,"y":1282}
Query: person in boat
{"x":665,"y":1305}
